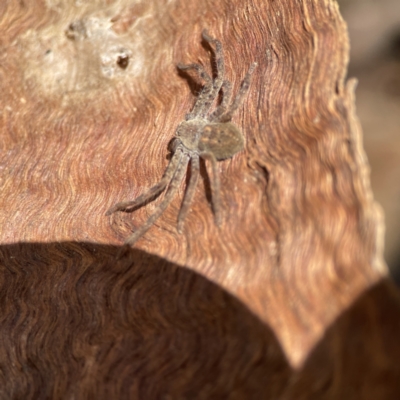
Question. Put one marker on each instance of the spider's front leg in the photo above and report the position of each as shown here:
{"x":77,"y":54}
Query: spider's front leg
{"x":222,"y":108}
{"x":226,"y":114}
{"x":205,"y":92}
{"x":220,"y":63}
{"x":212,"y":87}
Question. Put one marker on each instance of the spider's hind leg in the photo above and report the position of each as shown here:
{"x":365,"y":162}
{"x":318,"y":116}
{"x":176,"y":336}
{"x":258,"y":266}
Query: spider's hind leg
{"x":215,"y":186}
{"x":172,"y":189}
{"x":156,"y":189}
{"x":195,"y":169}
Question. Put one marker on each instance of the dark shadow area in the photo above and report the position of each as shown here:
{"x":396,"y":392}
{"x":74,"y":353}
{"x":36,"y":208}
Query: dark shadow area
{"x":76,"y":323}
{"x":358,"y":357}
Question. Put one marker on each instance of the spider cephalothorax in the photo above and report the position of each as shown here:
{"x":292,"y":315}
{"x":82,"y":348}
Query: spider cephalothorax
{"x":205,"y":135}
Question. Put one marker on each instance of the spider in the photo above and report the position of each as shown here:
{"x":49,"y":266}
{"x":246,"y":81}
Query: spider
{"x":210,"y":136}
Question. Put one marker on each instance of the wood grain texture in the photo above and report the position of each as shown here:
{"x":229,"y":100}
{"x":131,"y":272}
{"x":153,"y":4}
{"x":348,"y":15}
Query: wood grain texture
{"x":301,"y":239}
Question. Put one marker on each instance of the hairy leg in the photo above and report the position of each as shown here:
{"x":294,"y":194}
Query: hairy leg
{"x":172,"y":189}
{"x":227,"y":116}
{"x":221,"y":109}
{"x":168,"y":174}
{"x":215,"y":186}
{"x":205,"y":92}
{"x":217,"y":83}
{"x":189,"y":192}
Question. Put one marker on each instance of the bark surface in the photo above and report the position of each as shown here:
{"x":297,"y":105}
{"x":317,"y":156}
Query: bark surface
{"x":288,"y":299}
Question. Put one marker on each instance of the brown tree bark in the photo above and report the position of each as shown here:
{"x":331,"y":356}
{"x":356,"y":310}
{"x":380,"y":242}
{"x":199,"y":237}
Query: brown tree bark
{"x":289,"y":299}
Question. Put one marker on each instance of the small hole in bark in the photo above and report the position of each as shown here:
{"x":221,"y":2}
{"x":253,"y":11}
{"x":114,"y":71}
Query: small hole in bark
{"x":123,"y":61}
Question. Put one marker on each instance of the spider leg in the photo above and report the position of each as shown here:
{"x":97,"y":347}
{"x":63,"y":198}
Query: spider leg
{"x":189,"y":192}
{"x":215,"y":186}
{"x":168,"y":174}
{"x":205,"y":91}
{"x":227,"y":115}
{"x":221,"y":109}
{"x":217,"y":83}
{"x":172,"y":189}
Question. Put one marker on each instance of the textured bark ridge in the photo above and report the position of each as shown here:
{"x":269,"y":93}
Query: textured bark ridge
{"x":288,"y":299}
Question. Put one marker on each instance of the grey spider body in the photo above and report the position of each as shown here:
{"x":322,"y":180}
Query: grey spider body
{"x":198,"y":136}
{"x":210,"y":136}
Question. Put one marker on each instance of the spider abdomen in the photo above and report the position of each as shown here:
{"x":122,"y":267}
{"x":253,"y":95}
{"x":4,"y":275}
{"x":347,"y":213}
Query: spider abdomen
{"x":224,"y":140}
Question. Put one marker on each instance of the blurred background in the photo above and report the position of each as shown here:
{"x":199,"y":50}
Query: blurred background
{"x":374,"y":29}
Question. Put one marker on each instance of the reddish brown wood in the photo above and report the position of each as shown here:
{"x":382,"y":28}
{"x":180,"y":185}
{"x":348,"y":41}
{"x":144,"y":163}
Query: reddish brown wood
{"x":287,"y":300}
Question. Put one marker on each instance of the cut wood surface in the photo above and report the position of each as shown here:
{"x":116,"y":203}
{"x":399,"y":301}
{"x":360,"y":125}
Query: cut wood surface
{"x":287,"y":299}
